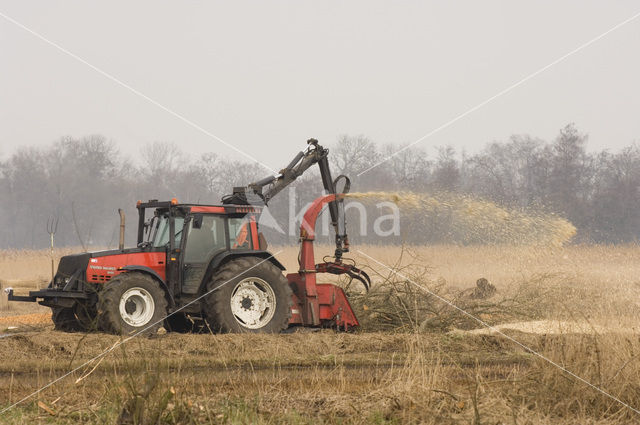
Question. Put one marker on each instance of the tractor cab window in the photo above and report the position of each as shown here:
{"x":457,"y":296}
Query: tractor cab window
{"x":240,"y":233}
{"x":161,"y":236}
{"x":205,"y":239}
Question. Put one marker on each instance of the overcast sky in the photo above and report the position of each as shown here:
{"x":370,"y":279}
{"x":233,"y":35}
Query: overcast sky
{"x":265,"y":76}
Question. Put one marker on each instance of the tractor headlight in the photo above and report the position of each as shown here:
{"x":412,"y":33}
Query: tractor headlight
{"x":61,"y":281}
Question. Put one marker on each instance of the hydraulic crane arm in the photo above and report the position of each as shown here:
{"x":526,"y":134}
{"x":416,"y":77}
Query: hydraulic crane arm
{"x":270,"y":186}
{"x":262,"y":191}
{"x":314,"y":154}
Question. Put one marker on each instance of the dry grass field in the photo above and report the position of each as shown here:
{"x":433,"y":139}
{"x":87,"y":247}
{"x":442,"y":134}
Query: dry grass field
{"x":414,"y":360}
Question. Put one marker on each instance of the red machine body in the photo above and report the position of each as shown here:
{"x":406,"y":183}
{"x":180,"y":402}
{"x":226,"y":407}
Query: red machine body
{"x":102,"y":269}
{"x":314,"y":304}
{"x":318,"y":304}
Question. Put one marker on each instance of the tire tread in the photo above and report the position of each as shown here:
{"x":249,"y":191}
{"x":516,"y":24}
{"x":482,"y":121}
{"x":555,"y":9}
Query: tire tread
{"x":235,"y":270}
{"x":109,"y":301}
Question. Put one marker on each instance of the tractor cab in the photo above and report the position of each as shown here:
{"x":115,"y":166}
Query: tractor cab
{"x":197,"y":238}
{"x":205,"y":232}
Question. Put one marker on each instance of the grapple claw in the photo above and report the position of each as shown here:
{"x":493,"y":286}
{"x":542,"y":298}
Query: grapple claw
{"x":342,"y":268}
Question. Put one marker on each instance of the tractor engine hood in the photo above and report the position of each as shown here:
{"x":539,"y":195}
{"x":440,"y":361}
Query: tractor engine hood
{"x":101,"y":266}
{"x":104,"y":265}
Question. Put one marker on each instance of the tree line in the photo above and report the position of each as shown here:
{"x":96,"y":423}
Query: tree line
{"x":83,"y":181}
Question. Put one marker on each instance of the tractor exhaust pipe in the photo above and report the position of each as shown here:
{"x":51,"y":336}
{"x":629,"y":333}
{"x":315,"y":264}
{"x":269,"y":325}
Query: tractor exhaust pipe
{"x":121,"y":244}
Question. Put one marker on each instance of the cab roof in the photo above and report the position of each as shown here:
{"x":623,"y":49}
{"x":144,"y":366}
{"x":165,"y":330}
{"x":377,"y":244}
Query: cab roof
{"x":200,"y":208}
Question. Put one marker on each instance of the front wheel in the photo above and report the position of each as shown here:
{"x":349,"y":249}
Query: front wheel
{"x":79,"y":318}
{"x":130,"y":303}
{"x":65,"y":320}
{"x":248,"y":295}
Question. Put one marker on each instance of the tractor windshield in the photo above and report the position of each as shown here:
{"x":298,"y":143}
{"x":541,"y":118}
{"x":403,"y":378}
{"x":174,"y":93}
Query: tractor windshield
{"x":161,"y":231}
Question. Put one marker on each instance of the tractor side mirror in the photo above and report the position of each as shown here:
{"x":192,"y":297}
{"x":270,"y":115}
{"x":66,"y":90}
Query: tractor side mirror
{"x":197,"y":221}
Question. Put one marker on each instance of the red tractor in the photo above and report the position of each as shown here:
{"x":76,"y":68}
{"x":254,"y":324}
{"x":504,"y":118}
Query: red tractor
{"x":207,"y":262}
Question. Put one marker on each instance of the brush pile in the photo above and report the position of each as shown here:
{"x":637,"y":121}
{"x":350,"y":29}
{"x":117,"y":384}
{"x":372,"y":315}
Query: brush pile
{"x":408,"y":298}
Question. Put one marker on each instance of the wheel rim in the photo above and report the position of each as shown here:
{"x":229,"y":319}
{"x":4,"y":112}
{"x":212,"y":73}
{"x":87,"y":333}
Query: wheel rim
{"x":136,"y":306}
{"x":253,"y":303}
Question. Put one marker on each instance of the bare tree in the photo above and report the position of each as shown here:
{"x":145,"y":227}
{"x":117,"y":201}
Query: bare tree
{"x":353,"y":154}
{"x":410,"y":167}
{"x":599,"y":192}
{"x":446,"y":170}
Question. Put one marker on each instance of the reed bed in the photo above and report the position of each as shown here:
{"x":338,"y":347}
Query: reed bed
{"x":415,"y":360}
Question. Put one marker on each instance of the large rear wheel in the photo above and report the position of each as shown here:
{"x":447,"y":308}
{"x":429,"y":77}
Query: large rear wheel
{"x":130,"y":303}
{"x":248,"y":295}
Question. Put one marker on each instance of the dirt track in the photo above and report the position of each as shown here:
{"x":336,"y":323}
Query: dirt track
{"x":25,"y":319}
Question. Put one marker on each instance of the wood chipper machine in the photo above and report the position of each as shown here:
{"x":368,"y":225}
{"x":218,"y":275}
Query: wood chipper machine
{"x":209,"y":264}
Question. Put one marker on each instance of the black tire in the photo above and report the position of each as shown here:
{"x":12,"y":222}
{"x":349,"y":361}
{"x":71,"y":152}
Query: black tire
{"x":217,"y":309}
{"x":179,"y":322}
{"x":151,"y":297}
{"x":86,"y":315}
{"x":65,"y":320}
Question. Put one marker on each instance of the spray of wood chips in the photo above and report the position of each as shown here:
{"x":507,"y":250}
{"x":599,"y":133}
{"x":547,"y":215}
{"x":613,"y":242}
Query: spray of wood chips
{"x":469,"y":220}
